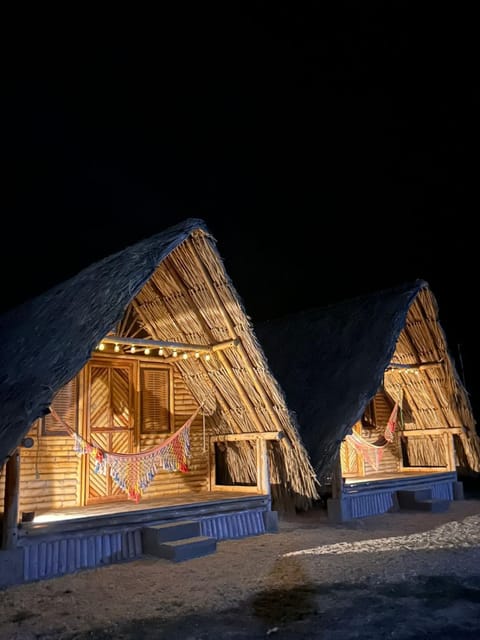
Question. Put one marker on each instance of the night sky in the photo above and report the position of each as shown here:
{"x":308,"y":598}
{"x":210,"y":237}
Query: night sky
{"x":331,"y":151}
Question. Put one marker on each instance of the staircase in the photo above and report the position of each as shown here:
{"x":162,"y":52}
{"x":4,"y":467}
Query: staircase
{"x":421,"y":500}
{"x":177,"y":541}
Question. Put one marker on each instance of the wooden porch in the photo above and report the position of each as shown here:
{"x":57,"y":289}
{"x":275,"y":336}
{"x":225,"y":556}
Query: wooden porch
{"x":65,"y":541}
{"x":367,"y":496}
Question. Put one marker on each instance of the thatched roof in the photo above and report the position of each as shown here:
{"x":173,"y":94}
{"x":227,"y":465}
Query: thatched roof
{"x":330,"y":362}
{"x":172,"y":286}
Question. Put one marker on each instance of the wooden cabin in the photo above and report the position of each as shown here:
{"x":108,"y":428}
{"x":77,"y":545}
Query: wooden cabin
{"x":350,"y":368}
{"x":136,"y":394}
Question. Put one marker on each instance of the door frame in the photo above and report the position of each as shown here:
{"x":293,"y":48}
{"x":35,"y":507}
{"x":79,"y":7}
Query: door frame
{"x":99,"y":360}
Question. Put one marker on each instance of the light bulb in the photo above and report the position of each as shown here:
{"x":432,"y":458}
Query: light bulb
{"x":207,"y":357}
{"x":116,"y":348}
{"x":147,"y":351}
{"x":197,"y":355}
{"x":160,"y":352}
{"x":185,"y":356}
{"x":175,"y":353}
{"x":132,"y":349}
{"x":101,"y":346}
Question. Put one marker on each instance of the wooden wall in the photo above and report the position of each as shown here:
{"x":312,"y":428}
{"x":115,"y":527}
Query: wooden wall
{"x":51,"y":470}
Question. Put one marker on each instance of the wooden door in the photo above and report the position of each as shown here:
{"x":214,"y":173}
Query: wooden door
{"x":110,"y":422}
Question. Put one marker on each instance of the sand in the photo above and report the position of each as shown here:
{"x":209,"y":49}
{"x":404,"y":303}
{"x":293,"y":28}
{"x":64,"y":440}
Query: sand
{"x":399,"y":575}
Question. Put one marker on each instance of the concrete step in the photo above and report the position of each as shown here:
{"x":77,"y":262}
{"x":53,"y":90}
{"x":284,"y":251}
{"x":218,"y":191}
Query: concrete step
{"x":155,"y":535}
{"x":186,"y":549}
{"x":408,"y":498}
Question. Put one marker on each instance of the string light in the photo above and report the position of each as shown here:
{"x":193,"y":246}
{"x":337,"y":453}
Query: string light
{"x":132,"y":349}
{"x":160,"y":352}
{"x":207,"y":357}
{"x":116,"y":348}
{"x":185,"y":356}
{"x":101,"y":346}
{"x":175,"y":353}
{"x":197,"y":355}
{"x":147,"y":351}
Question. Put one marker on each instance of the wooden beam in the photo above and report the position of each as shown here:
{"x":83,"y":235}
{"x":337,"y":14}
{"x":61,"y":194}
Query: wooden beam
{"x":431,"y":432}
{"x":263,"y":435}
{"x":220,"y":346}
{"x":181,"y":346}
{"x":248,"y":367}
{"x":10,"y":509}
{"x":394,"y":366}
{"x":426,"y":469}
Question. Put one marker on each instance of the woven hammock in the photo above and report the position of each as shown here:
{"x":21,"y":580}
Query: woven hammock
{"x":133,"y":472}
{"x":373,"y":451}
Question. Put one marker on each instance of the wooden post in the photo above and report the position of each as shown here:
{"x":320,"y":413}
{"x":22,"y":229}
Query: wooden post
{"x":337,"y":480}
{"x":10,"y":511}
{"x":450,"y":451}
{"x":263,"y":480}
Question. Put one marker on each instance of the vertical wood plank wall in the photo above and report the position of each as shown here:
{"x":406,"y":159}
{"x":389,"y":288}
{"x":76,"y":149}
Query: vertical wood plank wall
{"x":50,"y":471}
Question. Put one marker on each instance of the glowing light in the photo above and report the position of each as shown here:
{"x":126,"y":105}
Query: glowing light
{"x":197,"y":355}
{"x":175,"y":353}
{"x":101,"y":346}
{"x":116,"y":348}
{"x":132,"y":349}
{"x":207,"y":357}
{"x":147,"y":351}
{"x":185,"y":356}
{"x":160,"y":352}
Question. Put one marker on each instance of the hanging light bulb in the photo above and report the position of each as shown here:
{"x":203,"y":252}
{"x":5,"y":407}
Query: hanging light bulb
{"x":147,"y":351}
{"x":185,"y":356}
{"x":116,"y":348}
{"x":132,"y":349}
{"x":160,"y":352}
{"x":197,"y":355}
{"x":101,"y":346}
{"x":207,"y":357}
{"x":175,"y":353}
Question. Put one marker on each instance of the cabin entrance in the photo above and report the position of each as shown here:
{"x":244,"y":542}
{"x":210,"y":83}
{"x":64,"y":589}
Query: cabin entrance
{"x":110,"y":422}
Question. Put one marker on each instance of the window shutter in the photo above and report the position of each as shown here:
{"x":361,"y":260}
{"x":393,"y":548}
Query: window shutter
{"x":155,"y":394}
{"x":65,"y":404}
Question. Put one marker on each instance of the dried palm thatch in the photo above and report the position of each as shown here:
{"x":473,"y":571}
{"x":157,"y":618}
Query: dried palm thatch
{"x":172,"y":287}
{"x":331,"y":362}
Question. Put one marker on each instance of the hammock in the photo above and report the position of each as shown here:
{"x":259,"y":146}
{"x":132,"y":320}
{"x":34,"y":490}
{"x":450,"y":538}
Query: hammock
{"x":373,"y":451}
{"x":133,"y":472}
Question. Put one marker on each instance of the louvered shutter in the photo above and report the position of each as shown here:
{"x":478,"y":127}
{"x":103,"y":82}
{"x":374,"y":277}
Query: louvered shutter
{"x":155,"y":395}
{"x":65,"y":404}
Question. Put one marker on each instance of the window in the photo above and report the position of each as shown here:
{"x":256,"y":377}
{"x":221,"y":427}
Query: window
{"x":155,"y":392}
{"x":65,"y":404}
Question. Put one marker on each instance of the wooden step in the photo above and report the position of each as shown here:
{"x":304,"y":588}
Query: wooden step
{"x":186,"y":549}
{"x":155,"y":535}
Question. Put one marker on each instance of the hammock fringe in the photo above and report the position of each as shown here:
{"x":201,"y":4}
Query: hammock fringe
{"x":133,"y":472}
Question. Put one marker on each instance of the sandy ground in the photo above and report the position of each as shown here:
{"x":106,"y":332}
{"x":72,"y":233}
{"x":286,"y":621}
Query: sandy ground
{"x":399,"y":576}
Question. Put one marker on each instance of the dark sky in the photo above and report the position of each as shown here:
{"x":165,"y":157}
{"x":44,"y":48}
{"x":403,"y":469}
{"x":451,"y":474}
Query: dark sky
{"x":331,"y":151}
